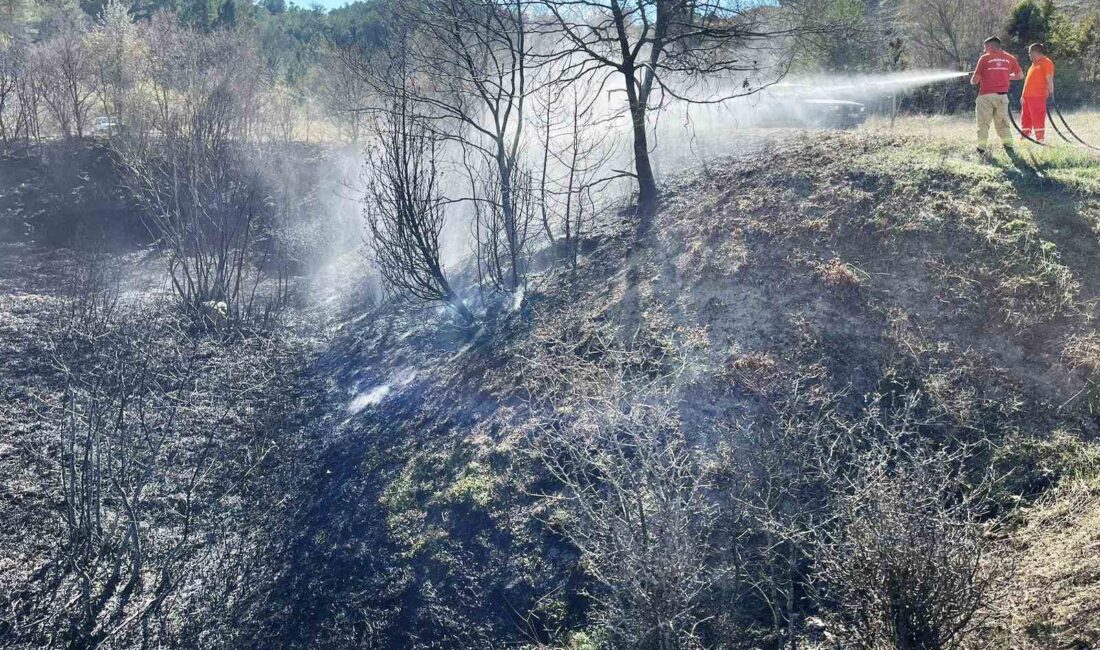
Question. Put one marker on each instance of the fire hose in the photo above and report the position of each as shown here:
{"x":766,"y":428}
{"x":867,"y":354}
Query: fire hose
{"x":1012,"y":118}
{"x":1076,"y":137}
{"x":1054,"y":125}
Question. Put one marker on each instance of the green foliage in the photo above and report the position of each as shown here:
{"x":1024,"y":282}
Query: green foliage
{"x":473,"y":486}
{"x":292,"y":39}
{"x":227,"y":13}
{"x":359,"y":22}
{"x":1073,"y":44}
{"x":197,"y":13}
{"x":581,"y":641}
{"x":1030,"y":22}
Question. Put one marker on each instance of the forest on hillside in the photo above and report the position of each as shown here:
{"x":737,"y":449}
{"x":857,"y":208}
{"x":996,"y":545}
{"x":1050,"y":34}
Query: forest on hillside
{"x":65,"y":63}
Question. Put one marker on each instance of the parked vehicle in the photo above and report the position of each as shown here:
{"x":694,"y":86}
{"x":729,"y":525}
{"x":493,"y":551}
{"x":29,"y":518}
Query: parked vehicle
{"x":106,"y":125}
{"x":802,"y":106}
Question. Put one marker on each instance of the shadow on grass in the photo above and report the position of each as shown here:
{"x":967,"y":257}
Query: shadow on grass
{"x":1057,"y":209}
{"x":1031,"y":171}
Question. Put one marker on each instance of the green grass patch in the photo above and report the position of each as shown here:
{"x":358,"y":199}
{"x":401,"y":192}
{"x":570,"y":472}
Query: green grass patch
{"x":948,"y":144}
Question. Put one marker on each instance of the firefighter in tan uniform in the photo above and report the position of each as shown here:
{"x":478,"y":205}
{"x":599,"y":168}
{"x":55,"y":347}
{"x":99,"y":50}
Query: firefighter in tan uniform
{"x":993,"y":75}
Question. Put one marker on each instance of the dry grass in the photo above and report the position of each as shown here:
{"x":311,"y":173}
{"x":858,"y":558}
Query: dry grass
{"x":1084,"y":352}
{"x":835,"y":273}
{"x":1055,"y":602}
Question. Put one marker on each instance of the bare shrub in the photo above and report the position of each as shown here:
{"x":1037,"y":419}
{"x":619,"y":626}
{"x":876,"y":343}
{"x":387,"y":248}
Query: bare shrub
{"x":780,"y":470}
{"x":405,"y":209}
{"x":634,"y":501}
{"x":151,"y":439}
{"x":910,"y":560}
{"x":93,"y":292}
{"x":194,"y":173}
{"x":117,"y":450}
{"x":205,"y":208}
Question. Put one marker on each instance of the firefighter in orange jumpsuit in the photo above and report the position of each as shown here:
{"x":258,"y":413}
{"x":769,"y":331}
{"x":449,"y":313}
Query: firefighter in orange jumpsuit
{"x":1038,"y":88}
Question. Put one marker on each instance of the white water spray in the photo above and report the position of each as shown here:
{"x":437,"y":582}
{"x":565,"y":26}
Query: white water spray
{"x":864,"y":87}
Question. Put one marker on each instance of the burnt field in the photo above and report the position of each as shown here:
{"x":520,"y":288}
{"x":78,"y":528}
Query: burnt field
{"x":857,"y":328}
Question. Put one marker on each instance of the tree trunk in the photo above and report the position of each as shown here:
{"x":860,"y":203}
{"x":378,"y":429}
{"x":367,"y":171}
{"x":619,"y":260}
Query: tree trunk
{"x":647,"y":184}
{"x":507,"y":207}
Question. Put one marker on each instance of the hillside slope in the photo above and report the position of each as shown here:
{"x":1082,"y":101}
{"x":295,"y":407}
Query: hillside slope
{"x":829,"y":276}
{"x":380,"y":478}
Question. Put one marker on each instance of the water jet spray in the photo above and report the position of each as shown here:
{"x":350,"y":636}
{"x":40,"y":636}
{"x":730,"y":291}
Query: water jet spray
{"x":867,"y":86}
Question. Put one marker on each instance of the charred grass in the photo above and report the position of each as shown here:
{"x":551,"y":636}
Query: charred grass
{"x":380,"y":487}
{"x":867,"y":267}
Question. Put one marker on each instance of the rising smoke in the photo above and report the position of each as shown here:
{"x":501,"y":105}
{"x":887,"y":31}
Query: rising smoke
{"x":725,"y":119}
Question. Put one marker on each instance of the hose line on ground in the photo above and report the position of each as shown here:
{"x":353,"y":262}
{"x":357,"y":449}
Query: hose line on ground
{"x":1054,"y":125}
{"x":1012,"y":118}
{"x":1071,"y":132}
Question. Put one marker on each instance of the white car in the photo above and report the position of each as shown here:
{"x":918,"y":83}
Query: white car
{"x":106,"y":125}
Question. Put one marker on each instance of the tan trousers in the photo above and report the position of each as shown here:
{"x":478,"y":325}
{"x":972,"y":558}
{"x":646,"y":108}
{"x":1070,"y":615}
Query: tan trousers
{"x":993,"y":108}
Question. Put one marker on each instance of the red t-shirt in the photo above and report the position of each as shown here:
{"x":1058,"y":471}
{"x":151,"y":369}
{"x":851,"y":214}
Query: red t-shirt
{"x":994,"y":70}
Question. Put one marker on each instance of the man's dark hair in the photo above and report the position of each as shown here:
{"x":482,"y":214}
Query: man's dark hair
{"x":1039,"y":47}
{"x":992,"y":39}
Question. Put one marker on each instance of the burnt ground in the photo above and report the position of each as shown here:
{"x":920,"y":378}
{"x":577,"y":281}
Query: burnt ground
{"x":397,"y":507}
{"x":813,"y":261}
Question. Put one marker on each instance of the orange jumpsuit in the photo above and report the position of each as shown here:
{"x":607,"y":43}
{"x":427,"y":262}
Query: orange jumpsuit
{"x":1033,"y":102}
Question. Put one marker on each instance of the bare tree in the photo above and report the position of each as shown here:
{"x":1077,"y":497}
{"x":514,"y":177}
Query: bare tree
{"x":201,"y":195}
{"x":948,"y":32}
{"x":909,"y":562}
{"x":501,"y":235}
{"x":471,"y":70}
{"x":13,"y":73}
{"x":283,"y":111}
{"x":577,"y":148}
{"x":659,"y":50}
{"x":480,"y":76}
{"x":405,"y":209}
{"x":66,"y":75}
{"x":344,"y":91}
